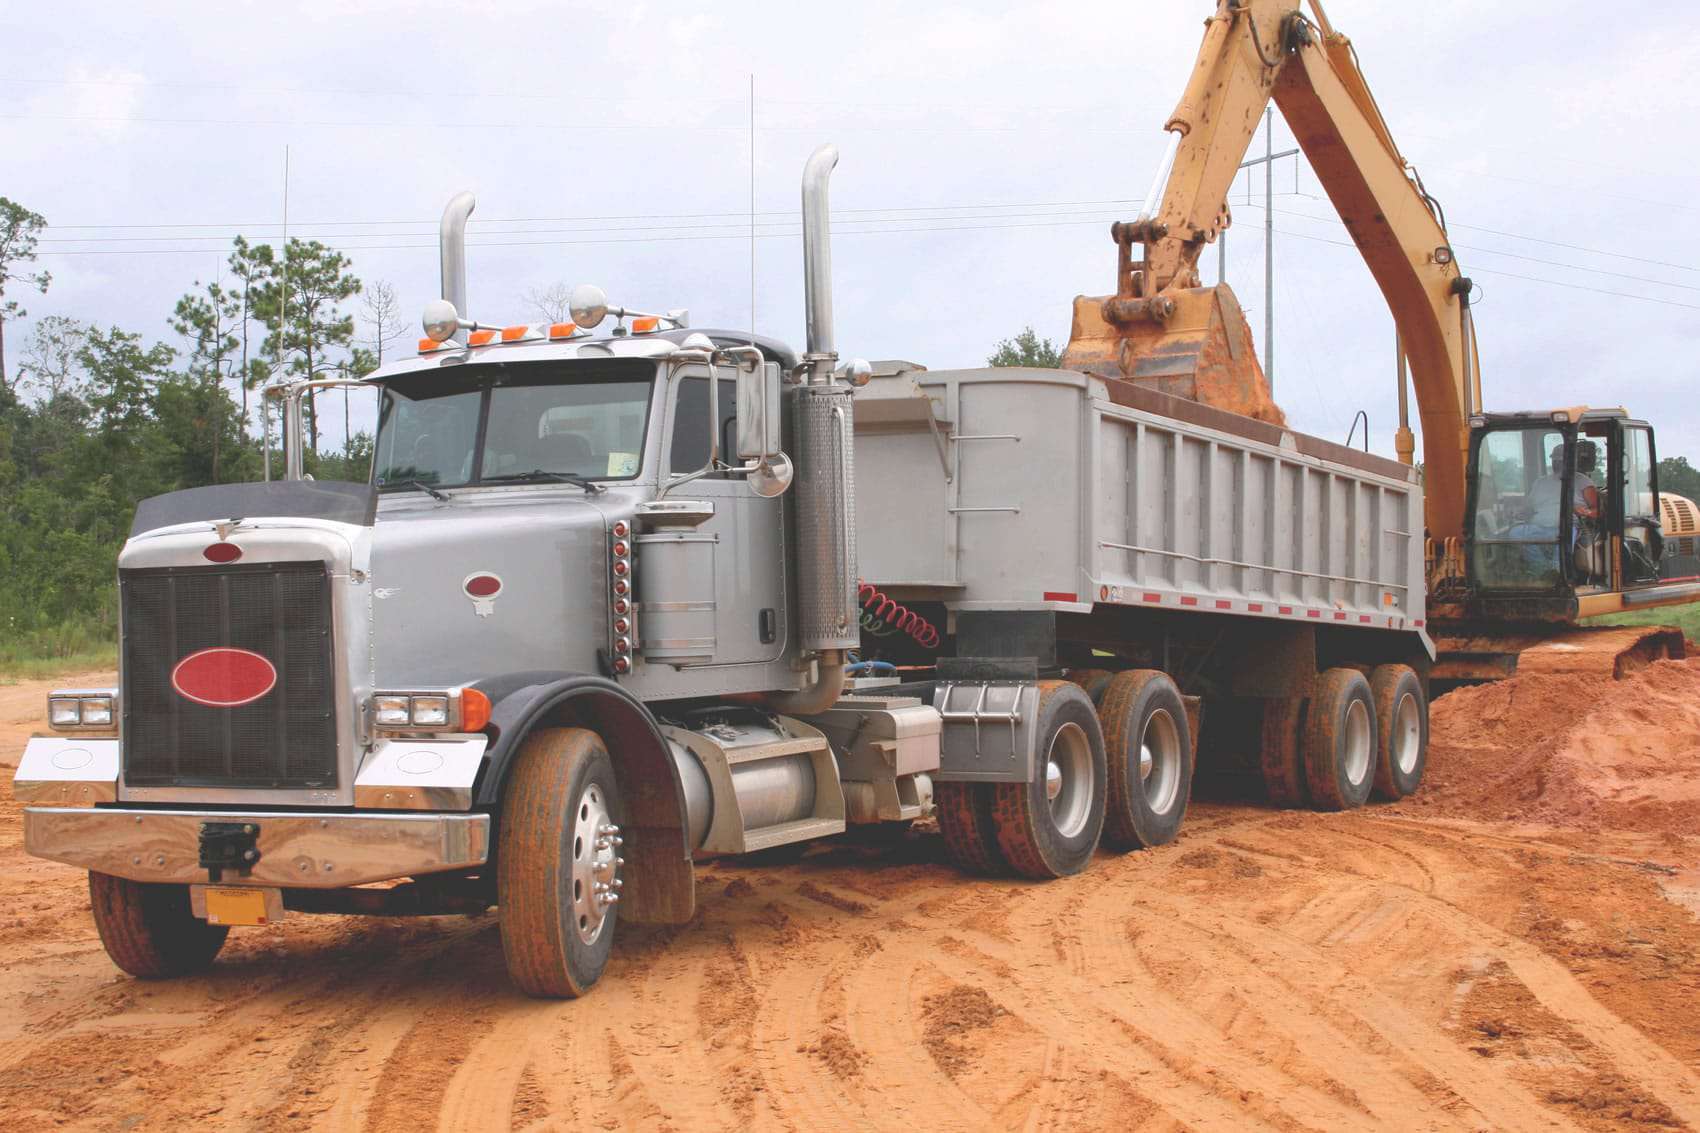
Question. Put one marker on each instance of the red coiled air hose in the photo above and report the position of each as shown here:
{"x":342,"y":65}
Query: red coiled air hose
{"x":880,"y":608}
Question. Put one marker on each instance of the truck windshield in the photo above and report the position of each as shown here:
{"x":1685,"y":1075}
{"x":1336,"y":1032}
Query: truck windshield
{"x":502,"y":422}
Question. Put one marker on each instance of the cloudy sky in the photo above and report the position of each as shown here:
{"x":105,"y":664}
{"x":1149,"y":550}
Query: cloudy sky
{"x":985,"y":150}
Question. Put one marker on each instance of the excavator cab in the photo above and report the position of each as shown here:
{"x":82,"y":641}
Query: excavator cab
{"x":1563,"y":507}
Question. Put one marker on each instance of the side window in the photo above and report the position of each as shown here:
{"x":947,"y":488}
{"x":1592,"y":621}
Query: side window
{"x":689,"y":448}
{"x":1638,"y":500}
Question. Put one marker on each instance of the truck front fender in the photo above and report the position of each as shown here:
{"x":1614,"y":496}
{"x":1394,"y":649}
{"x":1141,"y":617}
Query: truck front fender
{"x":660,"y":877}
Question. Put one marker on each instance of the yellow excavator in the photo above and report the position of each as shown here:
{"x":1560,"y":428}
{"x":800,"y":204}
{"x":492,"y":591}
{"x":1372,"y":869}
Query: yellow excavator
{"x":1535,"y":519}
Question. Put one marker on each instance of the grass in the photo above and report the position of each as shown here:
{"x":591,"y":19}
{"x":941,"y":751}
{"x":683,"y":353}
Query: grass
{"x":1686,"y":618}
{"x":67,"y":648}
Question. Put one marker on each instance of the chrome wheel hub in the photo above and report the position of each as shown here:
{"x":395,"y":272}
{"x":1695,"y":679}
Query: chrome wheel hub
{"x":1160,"y":762}
{"x":596,"y":864}
{"x":1407,"y":734}
{"x":1068,"y":779}
{"x":1359,"y":742}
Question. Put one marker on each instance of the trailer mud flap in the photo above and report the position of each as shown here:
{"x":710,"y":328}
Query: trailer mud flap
{"x":987,"y":733}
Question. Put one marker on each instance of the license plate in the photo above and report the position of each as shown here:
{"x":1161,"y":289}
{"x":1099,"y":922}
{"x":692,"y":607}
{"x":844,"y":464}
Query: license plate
{"x":231,"y":905}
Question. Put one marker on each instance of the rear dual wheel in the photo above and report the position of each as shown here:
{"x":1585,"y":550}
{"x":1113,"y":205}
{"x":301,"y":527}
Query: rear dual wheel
{"x":1050,"y":826}
{"x":1401,"y":710}
{"x":1340,"y":741}
{"x":1149,"y":745}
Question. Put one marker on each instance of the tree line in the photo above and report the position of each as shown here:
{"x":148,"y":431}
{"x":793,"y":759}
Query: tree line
{"x":95,"y":418}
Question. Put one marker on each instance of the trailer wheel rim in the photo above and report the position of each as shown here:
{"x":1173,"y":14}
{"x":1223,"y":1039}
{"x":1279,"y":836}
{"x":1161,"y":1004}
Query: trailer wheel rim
{"x":595,"y":863}
{"x":1407,"y":735}
{"x":1068,"y":779}
{"x":1357,"y":742}
{"x":1160,"y":761}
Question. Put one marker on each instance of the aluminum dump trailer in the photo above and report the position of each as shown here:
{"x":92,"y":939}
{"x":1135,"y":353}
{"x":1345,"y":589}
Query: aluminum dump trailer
{"x":1047,"y":490}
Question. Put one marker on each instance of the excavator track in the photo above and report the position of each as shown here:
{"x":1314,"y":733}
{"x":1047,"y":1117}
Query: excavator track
{"x":1474,"y":654}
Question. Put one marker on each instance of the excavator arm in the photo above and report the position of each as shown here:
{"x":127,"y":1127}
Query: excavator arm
{"x":1162,"y":329}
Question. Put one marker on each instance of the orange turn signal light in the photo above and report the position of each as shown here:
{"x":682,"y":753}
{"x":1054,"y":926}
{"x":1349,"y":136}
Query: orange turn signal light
{"x":474,"y":710}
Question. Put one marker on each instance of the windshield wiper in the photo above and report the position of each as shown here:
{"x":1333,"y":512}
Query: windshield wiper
{"x":423,"y":487}
{"x":590,"y":486}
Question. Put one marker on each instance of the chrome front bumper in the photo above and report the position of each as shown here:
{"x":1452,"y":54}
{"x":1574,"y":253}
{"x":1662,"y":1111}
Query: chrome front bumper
{"x":304,"y":850}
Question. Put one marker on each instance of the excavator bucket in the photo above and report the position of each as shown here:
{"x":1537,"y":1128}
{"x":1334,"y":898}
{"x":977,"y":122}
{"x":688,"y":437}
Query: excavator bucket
{"x":1201,"y":351}
{"x":1605,"y":652}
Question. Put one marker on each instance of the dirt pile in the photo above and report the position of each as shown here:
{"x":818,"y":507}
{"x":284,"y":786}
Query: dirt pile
{"x":1571,"y":751}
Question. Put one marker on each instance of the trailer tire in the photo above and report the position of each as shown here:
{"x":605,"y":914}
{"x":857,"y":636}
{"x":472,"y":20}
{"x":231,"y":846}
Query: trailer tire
{"x":1340,"y":741}
{"x":1049,"y":827}
{"x":970,"y":835}
{"x":149,"y":931}
{"x":1092,"y":681}
{"x":1148,"y":744}
{"x":1401,"y":709}
{"x":553,"y":851}
{"x":1280,"y":754}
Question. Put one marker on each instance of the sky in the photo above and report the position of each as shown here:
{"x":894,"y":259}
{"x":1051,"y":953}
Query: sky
{"x":984,"y":151}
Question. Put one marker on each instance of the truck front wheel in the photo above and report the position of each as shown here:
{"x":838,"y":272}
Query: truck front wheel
{"x":557,"y":867}
{"x":149,"y":930}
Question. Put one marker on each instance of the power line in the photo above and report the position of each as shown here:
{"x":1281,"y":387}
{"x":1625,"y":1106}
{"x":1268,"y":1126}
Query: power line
{"x":733,"y":218}
{"x":1518,"y":256}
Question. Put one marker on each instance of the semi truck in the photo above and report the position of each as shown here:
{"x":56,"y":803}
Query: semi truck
{"x":622,"y":594}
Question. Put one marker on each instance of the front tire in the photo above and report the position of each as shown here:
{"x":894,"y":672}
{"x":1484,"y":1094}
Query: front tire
{"x":1401,"y":709}
{"x":1049,"y":827}
{"x":1340,"y":741}
{"x":558,"y":861}
{"x":1148,"y":741}
{"x":149,"y":930}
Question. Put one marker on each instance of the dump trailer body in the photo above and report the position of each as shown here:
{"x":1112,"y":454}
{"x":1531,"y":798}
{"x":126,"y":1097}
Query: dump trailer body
{"x":1020,"y":489}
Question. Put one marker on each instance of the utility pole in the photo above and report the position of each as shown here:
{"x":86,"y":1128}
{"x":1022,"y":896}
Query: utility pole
{"x":1268,"y":160}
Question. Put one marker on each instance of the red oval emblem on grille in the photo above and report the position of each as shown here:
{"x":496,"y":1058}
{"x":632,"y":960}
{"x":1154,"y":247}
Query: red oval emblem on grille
{"x":223,"y":677}
{"x":483,"y":586}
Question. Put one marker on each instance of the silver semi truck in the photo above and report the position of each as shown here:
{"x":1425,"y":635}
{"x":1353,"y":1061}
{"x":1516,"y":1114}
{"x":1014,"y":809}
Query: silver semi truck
{"x":622,"y":594}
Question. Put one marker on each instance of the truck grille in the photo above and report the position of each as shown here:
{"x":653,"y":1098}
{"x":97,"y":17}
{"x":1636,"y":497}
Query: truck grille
{"x":284,"y":738}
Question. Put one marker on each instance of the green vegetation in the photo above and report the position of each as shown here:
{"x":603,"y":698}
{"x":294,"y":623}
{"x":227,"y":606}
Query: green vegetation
{"x":1026,"y":349}
{"x":1686,"y":618}
{"x":94,"y":419}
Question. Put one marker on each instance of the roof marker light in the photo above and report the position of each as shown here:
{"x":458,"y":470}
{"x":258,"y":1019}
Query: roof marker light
{"x":516,"y":334}
{"x":558,"y":331}
{"x":645,"y":325}
{"x":480,"y":337}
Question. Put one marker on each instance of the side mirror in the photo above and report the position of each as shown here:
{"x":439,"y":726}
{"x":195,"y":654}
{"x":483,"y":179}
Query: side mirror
{"x":588,"y":305}
{"x":758,"y":411}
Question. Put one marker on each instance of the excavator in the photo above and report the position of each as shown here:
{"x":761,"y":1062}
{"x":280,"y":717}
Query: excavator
{"x":1535,"y":520}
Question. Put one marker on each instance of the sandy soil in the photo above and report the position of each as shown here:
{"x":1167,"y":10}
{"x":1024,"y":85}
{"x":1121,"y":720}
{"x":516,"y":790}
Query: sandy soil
{"x":1518,"y":948}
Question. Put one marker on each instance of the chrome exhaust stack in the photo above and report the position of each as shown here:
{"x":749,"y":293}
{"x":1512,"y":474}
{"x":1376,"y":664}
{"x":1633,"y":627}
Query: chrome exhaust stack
{"x":451,"y":242}
{"x":817,"y":258}
{"x":826,"y":478}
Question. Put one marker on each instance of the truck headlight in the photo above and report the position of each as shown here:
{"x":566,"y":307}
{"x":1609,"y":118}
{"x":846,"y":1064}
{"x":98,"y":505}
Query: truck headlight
{"x":392,"y":711}
{"x":430,"y":711}
{"x":76,"y":709}
{"x":444,"y":710}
